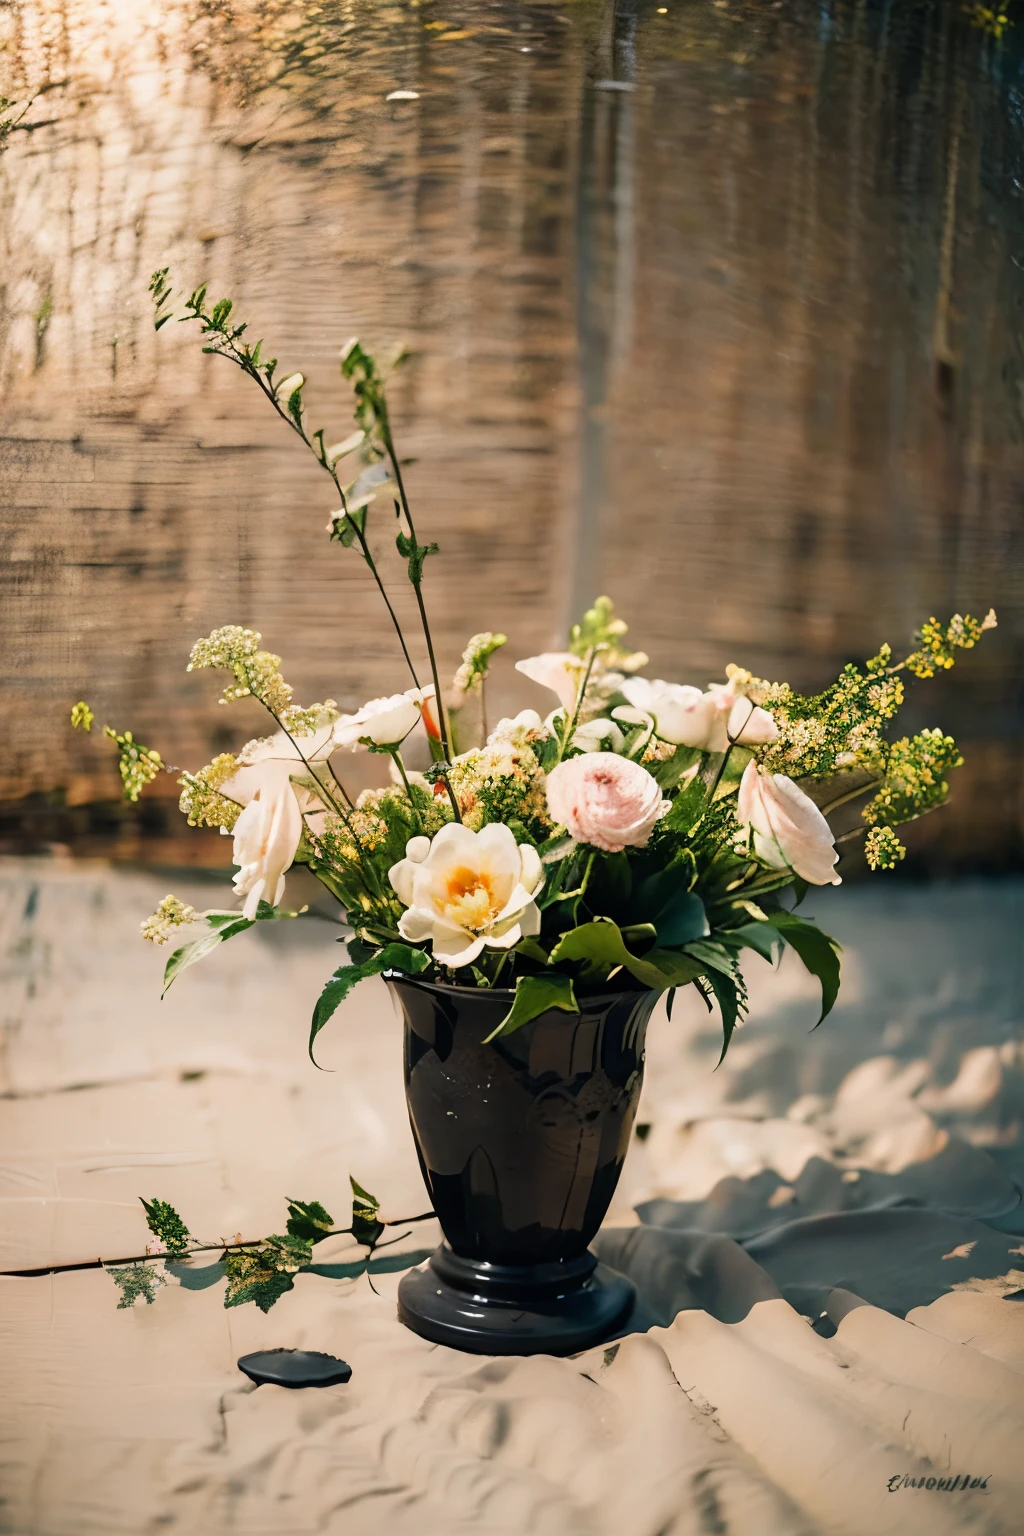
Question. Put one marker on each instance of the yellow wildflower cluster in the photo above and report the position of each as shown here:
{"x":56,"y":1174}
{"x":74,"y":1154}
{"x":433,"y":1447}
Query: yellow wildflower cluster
{"x":200,"y":801}
{"x":169,"y":915}
{"x":137,"y":765}
{"x":936,"y":643}
{"x":915,"y":768}
{"x":82,"y":716}
{"x":883,"y":849}
{"x":257,"y":673}
{"x":500,"y":782}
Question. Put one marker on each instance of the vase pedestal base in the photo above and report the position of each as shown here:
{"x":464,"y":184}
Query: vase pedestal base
{"x":514,"y":1309}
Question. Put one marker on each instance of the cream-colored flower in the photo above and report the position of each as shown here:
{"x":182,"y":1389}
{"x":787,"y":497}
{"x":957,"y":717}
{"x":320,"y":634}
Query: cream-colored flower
{"x":464,"y":890}
{"x":386,"y":722}
{"x":598,"y":736}
{"x":709,"y":722}
{"x":560,"y":671}
{"x":789,"y":830}
{"x":267,"y":832}
{"x":681,"y":713}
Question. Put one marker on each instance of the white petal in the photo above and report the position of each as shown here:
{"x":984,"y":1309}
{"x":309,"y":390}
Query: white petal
{"x":417,"y":925}
{"x":529,"y":920}
{"x":532,"y":876}
{"x":417,"y":849}
{"x":504,"y":940}
{"x":401,"y":877}
{"x":455,"y":947}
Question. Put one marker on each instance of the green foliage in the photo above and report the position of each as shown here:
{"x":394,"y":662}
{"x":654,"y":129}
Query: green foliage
{"x":599,"y":947}
{"x":166,"y":1225}
{"x":396,"y":957}
{"x":601,"y":633}
{"x":536,"y":995}
{"x":819,"y":953}
{"x":415,"y":554}
{"x":367,"y":1229}
{"x":135,"y":1280}
{"x":308,"y":1221}
{"x":222,"y":926}
{"x":265,"y":1272}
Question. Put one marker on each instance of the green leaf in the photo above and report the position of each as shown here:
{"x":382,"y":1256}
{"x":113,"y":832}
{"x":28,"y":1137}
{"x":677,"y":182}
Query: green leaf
{"x":393,"y":957}
{"x":366,"y":1227}
{"x":308,"y":1220}
{"x":223,"y":926}
{"x":347,"y":529}
{"x":762,"y":938}
{"x":536,"y":995}
{"x":253,"y":1275}
{"x":729,"y":1000}
{"x":818,"y":951}
{"x":600,"y":946}
{"x":416,"y":554}
{"x":677,"y":914}
{"x":135,"y":1280}
{"x":165,"y":1223}
{"x":188,"y":954}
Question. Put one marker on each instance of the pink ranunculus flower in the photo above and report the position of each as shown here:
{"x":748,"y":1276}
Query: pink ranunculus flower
{"x":605,"y":800}
{"x":789,"y":830}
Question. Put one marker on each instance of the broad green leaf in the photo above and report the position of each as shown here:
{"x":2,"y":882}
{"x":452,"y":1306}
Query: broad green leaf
{"x":600,"y":945}
{"x":818,"y":951}
{"x":536,"y":995}
{"x":762,"y":938}
{"x":393,"y":957}
{"x":308,"y":1220}
{"x":677,"y":914}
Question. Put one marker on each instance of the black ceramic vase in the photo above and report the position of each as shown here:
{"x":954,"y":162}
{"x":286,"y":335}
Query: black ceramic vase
{"x":521,"y":1143}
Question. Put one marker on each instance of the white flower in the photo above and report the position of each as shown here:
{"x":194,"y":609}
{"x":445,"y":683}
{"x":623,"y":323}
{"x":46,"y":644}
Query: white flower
{"x":560,"y":671}
{"x":518,"y":730}
{"x":267,"y":833}
{"x":598,"y":736}
{"x":465,"y":889}
{"x":681,"y":713}
{"x":710,"y":721}
{"x":387,"y":722}
{"x":288,"y":386}
{"x":789,"y":830}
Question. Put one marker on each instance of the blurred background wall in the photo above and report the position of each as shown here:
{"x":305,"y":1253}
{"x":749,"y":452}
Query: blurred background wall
{"x":714,"y":306}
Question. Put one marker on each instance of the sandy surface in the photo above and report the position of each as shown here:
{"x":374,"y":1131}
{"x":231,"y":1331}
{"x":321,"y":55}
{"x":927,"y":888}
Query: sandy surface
{"x":829,"y":1249}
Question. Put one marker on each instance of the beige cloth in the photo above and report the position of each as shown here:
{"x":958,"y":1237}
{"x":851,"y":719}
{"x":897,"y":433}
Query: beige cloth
{"x":735,"y":1417}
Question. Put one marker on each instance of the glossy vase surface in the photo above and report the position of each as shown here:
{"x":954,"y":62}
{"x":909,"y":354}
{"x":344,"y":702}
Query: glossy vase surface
{"x":521,"y":1142}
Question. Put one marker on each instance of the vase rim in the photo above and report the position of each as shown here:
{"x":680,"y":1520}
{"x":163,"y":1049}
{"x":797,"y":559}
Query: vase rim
{"x":393,"y":974}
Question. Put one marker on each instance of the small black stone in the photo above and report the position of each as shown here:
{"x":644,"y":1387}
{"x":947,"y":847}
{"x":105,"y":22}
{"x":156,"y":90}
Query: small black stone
{"x":294,"y":1368}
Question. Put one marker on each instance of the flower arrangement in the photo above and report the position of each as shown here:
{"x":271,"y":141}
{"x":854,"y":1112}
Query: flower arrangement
{"x":640,"y":834}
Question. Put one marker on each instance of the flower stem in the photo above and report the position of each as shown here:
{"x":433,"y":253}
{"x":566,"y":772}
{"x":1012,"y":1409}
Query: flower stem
{"x":396,"y":757}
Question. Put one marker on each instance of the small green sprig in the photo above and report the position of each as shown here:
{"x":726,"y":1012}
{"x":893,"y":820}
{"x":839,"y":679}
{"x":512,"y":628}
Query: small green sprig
{"x":138,"y":765}
{"x":261,"y":1271}
{"x":223,"y":336}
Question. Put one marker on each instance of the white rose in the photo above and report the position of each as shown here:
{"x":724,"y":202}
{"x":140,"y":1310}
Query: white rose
{"x":387,"y":722}
{"x":464,"y":890}
{"x":789,"y":830}
{"x":266,"y":834}
{"x":681,"y":713}
{"x":710,"y":721}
